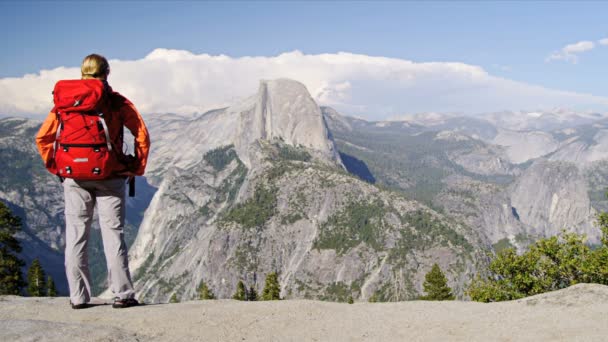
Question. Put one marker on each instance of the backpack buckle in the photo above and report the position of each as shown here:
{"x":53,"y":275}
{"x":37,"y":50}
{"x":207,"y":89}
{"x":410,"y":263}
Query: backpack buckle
{"x":96,"y":171}
{"x":68,"y":170}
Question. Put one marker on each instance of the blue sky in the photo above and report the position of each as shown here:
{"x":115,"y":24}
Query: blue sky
{"x":509,"y":40}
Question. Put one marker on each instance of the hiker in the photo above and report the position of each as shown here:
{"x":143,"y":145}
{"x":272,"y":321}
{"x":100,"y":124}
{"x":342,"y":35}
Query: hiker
{"x":81,"y":141}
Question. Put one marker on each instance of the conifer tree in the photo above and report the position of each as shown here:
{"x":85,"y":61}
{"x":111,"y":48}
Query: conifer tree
{"x":36,"y":280}
{"x":11,"y":280}
{"x":241,"y":293}
{"x":272,"y":289}
{"x":252,"y":294}
{"x":173,"y":298}
{"x":51,"y":291}
{"x":436,"y":285}
{"x":204,"y":292}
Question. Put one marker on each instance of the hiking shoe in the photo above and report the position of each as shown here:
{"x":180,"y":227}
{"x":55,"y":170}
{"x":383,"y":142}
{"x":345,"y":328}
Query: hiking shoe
{"x":124,"y":303}
{"x":79,"y":306}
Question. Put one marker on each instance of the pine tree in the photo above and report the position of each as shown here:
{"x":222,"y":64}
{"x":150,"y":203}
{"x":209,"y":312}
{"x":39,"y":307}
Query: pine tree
{"x":272,"y":289}
{"x":205,"y":292}
{"x":241,"y":293}
{"x":252,"y":294}
{"x":36,"y":280}
{"x":436,"y":285}
{"x":11,"y":280}
{"x":51,"y":291}
{"x":173,"y":298}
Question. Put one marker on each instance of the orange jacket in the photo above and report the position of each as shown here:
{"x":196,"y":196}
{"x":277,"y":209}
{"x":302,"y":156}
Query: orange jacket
{"x":127,"y":115}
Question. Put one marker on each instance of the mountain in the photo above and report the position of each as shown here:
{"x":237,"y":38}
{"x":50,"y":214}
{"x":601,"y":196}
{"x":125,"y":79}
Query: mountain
{"x":511,"y":186}
{"x":281,"y":109}
{"x":271,"y":194}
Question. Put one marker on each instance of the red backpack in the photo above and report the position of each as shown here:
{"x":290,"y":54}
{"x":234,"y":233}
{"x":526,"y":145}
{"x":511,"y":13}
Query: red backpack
{"x":83,"y":146}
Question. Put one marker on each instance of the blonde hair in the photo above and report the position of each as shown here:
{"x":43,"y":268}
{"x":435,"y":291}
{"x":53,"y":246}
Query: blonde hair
{"x":95,"y":66}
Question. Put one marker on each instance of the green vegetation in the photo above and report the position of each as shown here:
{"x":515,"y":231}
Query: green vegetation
{"x":252,"y":294}
{"x":232,"y":184}
{"x":288,"y":152}
{"x":338,"y":291}
{"x":220,"y":157}
{"x":173,"y":298}
{"x":425,"y":231}
{"x":356,"y":223}
{"x":256,"y":211}
{"x":50,"y":285}
{"x":436,"y":285}
{"x":502,"y":244}
{"x":36,"y":280}
{"x":11,"y":281}
{"x":296,"y":207}
{"x":550,"y":264}
{"x":291,"y":218}
{"x":428,"y":230}
{"x":204,"y":292}
{"x":272,"y":289}
{"x":241,"y":292}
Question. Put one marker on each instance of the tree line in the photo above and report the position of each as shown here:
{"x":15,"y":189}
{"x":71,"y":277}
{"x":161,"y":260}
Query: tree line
{"x":272,"y":291}
{"x":11,"y":280}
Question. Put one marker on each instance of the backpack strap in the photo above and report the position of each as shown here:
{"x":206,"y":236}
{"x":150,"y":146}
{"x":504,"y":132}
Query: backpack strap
{"x":105,"y":130}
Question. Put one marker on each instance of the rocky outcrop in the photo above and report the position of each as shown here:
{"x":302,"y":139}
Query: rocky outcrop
{"x":522,"y":146}
{"x":551,"y":196}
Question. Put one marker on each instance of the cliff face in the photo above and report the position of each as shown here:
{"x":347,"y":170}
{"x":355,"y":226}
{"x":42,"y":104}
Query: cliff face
{"x":551,"y":196}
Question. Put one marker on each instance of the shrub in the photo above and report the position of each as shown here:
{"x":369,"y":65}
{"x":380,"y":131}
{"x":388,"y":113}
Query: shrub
{"x":550,"y":264}
{"x":204,"y":292}
{"x":241,"y":292}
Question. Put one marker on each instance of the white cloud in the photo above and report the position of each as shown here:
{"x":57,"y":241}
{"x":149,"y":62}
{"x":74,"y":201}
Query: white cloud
{"x":579,"y":47}
{"x":603,"y":41}
{"x":373,"y":87}
{"x":569,"y":52}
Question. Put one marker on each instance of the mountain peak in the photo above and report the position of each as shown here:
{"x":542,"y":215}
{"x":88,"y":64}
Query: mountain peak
{"x":284,"y":110}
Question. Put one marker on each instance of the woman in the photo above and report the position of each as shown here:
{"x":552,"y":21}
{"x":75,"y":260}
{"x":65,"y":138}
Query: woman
{"x":108,"y":194}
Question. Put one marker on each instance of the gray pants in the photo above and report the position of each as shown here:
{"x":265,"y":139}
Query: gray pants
{"x":80,"y":200}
